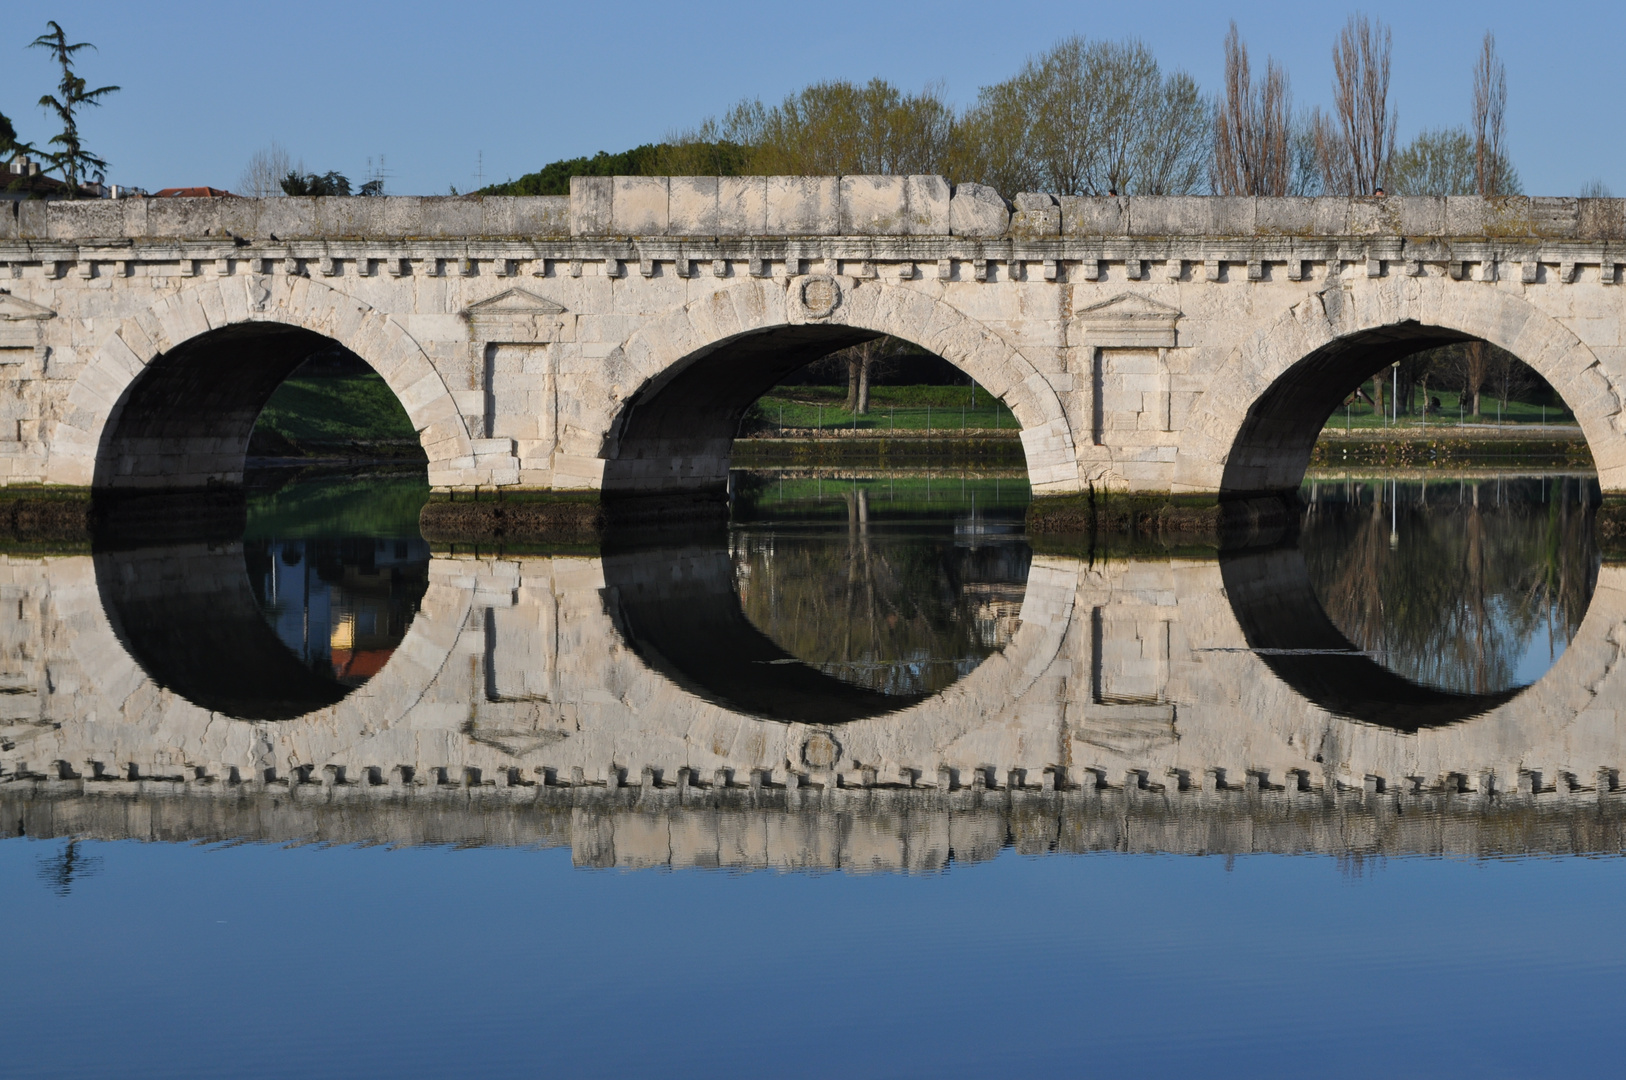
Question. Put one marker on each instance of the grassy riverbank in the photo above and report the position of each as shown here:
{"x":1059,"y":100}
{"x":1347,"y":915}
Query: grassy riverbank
{"x":950,"y":411}
{"x":340,"y":415}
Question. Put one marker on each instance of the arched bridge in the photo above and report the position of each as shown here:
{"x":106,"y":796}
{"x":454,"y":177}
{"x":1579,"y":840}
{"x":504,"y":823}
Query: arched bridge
{"x":612,"y":339}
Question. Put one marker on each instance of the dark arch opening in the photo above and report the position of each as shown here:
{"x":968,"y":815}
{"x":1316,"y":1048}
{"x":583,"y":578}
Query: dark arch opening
{"x":1273,"y":447}
{"x":185,"y":422}
{"x":676,"y":433}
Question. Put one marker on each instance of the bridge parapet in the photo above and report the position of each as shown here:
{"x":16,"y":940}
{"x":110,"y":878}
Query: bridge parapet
{"x":814,"y":206}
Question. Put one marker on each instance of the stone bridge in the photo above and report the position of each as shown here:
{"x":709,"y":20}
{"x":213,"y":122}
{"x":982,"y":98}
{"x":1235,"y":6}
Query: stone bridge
{"x":1153,"y":705}
{"x":612,"y":339}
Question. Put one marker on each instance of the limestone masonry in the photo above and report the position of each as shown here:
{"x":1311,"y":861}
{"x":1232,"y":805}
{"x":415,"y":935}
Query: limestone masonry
{"x":612,"y":339}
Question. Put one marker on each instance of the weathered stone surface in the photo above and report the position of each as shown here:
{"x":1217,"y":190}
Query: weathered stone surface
{"x":680,"y":293}
{"x":978,"y":210}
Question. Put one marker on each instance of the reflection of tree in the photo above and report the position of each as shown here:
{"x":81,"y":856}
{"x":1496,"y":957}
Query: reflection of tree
{"x":1474,"y":574}
{"x":59,"y":871}
{"x":901,"y":615}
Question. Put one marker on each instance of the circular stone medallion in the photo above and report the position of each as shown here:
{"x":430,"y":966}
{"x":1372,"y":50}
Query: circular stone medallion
{"x":820,"y":751}
{"x":820,"y":295}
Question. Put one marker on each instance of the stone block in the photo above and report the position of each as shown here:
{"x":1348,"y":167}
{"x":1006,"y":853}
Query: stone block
{"x":803,"y":206}
{"x":1288,"y":216}
{"x":285,"y":217}
{"x":591,"y":199}
{"x":742,"y":205}
{"x":452,"y":215}
{"x":692,"y":206}
{"x":1508,"y":215}
{"x":639,"y":205}
{"x":84,"y":218}
{"x":1556,"y":217}
{"x":238,"y":217}
{"x":1598,"y":219}
{"x":874,"y":206}
{"x":33,"y":222}
{"x":1037,"y":216}
{"x":186,"y":218}
{"x":404,"y":215}
{"x":1092,"y":215}
{"x":349,"y":216}
{"x":978,"y":210}
{"x":929,"y":199}
{"x":499,"y":215}
{"x":1419,"y":215}
{"x":1231,"y":215}
{"x":1170,"y":215}
{"x":1464,"y":215}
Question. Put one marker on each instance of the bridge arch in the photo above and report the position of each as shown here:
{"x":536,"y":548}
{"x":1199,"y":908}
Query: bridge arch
{"x":161,"y":404}
{"x":1253,"y":430}
{"x":696,"y":369}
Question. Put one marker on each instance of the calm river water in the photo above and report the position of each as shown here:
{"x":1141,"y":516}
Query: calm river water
{"x":867,"y":784}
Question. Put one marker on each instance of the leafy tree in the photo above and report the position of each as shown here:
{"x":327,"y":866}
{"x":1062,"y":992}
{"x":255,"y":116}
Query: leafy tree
{"x":328,"y":183}
{"x":1088,"y":118}
{"x":1438,"y":162}
{"x":72,"y":159}
{"x":840,"y":127}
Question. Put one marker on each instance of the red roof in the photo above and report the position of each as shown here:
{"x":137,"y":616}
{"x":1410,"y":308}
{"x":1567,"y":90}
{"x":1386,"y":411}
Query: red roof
{"x":192,"y":193}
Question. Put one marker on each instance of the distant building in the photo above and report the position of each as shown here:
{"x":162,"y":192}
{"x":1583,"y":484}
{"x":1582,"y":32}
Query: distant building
{"x":192,"y":193}
{"x":23,"y":179}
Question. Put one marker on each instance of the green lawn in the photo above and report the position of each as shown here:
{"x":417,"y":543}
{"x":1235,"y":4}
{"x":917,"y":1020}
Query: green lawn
{"x":1361,"y":415}
{"x":329,"y":410}
{"x":892,"y":408}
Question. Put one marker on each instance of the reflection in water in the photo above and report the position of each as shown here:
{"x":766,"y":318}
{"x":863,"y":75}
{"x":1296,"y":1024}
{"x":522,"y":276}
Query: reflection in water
{"x":309,"y":606}
{"x":897,"y":605}
{"x":1471,"y":586}
{"x":340,"y":605}
{"x":860,"y":674}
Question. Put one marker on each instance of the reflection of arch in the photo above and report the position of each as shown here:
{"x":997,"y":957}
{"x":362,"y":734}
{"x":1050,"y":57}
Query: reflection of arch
{"x":190,"y":619}
{"x":1277,"y":609}
{"x":1252,"y":430}
{"x":678,"y":610}
{"x":698,"y":368}
{"x":163,"y":616}
{"x":217,"y":347}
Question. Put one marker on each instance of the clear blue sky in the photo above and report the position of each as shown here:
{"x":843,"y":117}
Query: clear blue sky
{"x":433,"y":86}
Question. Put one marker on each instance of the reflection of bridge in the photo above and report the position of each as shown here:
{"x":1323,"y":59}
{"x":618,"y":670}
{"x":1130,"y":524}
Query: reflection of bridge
{"x":1131,"y":709}
{"x":612,"y":340}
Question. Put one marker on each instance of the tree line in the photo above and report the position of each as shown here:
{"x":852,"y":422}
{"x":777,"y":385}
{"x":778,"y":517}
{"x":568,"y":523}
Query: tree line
{"x":1103,"y":118}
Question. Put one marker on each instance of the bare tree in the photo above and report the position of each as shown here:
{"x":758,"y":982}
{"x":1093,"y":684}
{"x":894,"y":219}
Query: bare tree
{"x":263,"y":175}
{"x":1490,"y":118}
{"x":1355,"y":153}
{"x":1253,"y":152}
{"x":1596,"y":189}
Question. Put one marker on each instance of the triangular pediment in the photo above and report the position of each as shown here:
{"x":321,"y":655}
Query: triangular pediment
{"x":14,"y":308}
{"x":1129,"y":306}
{"x":514,"y":301}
